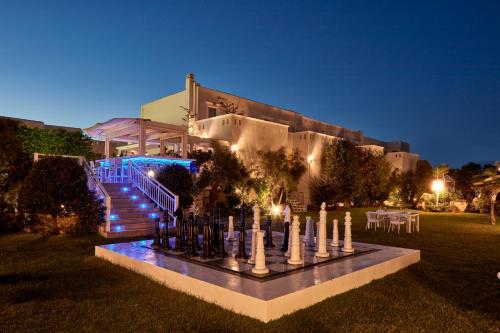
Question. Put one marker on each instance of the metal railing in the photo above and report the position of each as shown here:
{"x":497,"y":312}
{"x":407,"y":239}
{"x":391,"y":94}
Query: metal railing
{"x":95,"y":185}
{"x":158,"y":193}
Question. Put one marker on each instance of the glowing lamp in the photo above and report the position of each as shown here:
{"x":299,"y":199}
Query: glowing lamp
{"x":437,"y":185}
{"x":124,"y":189}
{"x":134,"y":197}
{"x":113,"y":217}
{"x":234,"y":148}
{"x":151,"y":173}
{"x":276,"y":210}
{"x":310,"y":159}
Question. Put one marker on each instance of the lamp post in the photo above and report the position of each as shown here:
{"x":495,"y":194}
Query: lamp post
{"x":437,"y":186}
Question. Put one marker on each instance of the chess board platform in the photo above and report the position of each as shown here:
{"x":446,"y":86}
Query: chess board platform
{"x":276,"y":261}
{"x":286,"y":288}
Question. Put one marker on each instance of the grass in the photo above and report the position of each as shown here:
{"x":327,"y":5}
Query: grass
{"x":56,"y":284}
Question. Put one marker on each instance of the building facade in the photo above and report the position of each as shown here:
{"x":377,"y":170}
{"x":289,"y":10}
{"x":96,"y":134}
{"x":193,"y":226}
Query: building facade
{"x":249,"y":126}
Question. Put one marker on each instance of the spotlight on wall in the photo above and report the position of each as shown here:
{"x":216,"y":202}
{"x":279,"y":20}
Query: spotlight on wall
{"x":234,"y":148}
{"x":310,"y":159}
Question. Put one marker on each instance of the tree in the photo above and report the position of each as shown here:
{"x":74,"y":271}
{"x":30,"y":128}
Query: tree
{"x":177,"y":179}
{"x":58,"y":142}
{"x":14,"y":162}
{"x":57,"y":186}
{"x":224,"y":173}
{"x":423,"y":179}
{"x":200,"y":157}
{"x":489,"y":184}
{"x":464,"y":179}
{"x":280,"y":171}
{"x":340,"y":178}
{"x":227,"y":107}
{"x":376,"y":178}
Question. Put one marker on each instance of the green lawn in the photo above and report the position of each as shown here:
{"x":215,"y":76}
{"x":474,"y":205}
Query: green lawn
{"x":56,"y":284}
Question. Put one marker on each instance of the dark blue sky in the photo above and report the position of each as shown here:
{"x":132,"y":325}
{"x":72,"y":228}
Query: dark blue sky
{"x":427,"y":72}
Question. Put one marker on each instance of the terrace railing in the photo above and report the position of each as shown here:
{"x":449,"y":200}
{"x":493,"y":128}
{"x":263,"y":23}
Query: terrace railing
{"x":159,"y":194}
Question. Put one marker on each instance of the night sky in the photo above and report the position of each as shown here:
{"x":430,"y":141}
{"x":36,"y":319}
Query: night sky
{"x":426,"y":72}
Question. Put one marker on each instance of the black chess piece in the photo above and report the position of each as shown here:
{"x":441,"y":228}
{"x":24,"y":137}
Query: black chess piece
{"x":269,"y":232}
{"x":157,"y":239}
{"x":165,"y":244}
{"x":198,"y":225}
{"x":207,"y":244}
{"x":216,"y":224}
{"x":284,"y":248}
{"x":221,"y":251}
{"x":179,"y":239}
{"x":242,"y":255}
{"x":190,"y":242}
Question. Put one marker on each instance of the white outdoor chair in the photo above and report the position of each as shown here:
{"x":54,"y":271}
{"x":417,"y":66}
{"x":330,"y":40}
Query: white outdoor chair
{"x":395,"y":220}
{"x":372,"y":218}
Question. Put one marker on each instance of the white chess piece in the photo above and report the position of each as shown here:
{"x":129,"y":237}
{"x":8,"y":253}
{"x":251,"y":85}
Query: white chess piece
{"x":335,"y":235}
{"x":287,"y":211}
{"x":254,"y":244}
{"x":230,"y":230}
{"x":347,"y":234}
{"x":322,"y":253}
{"x":260,"y":257}
{"x":295,"y":252}
{"x":256,"y":216}
{"x":309,"y":235}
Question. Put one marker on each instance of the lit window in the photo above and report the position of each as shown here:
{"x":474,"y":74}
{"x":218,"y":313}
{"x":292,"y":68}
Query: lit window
{"x":212,"y":112}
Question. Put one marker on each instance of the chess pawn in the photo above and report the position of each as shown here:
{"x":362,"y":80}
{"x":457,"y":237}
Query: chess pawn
{"x":260,"y":257}
{"x":230,"y":229}
{"x":157,"y":237}
{"x":254,"y":244}
{"x":295,"y":245}
{"x":289,"y":246}
{"x":207,"y":244}
{"x":269,"y":232}
{"x":256,"y":215}
{"x":347,"y":234}
{"x":309,"y":236}
{"x":322,"y":253}
{"x":221,"y":251}
{"x":335,"y":234}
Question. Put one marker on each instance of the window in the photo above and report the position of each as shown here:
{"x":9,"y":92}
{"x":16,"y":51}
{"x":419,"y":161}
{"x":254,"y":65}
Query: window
{"x":239,"y":122}
{"x":223,"y":122}
{"x":212,"y":112}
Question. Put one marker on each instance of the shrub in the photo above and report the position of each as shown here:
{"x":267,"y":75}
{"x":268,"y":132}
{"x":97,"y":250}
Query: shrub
{"x":177,"y":179}
{"x":57,"y":187}
{"x":428,"y":201}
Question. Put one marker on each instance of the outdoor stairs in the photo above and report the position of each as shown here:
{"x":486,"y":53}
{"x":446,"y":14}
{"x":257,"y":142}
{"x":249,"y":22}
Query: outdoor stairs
{"x":295,"y":205}
{"x":132,"y":213}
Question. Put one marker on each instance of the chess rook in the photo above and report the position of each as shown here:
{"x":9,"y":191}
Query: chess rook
{"x":190,"y":243}
{"x":254,"y":244}
{"x":221,"y":251}
{"x":230,"y":229}
{"x":295,"y":244}
{"x":322,"y":253}
{"x":260,"y":257}
{"x":179,"y":239}
{"x":335,"y":234}
{"x":157,"y":237}
{"x":347,"y":234}
{"x":207,"y":244}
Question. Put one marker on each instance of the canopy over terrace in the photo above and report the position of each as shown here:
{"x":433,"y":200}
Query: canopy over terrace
{"x":143,"y":132}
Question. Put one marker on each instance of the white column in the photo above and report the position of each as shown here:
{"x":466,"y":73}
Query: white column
{"x":260,"y":257}
{"x":142,"y":137}
{"x":347,"y":234}
{"x":230,"y":229}
{"x":295,"y":252}
{"x":335,"y":235}
{"x":254,"y":244}
{"x":184,"y":145}
{"x":322,"y":253}
{"x":106,"y":147}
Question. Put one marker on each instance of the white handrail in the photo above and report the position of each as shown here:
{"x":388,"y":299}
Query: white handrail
{"x":162,"y":196}
{"x":95,"y":185}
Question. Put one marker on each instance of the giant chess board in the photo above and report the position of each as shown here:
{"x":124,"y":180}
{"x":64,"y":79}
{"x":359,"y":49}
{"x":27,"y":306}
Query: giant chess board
{"x":286,"y":288}
{"x":276,"y":261}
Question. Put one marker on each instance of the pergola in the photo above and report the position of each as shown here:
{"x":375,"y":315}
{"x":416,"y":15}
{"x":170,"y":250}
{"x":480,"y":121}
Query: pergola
{"x":141,"y":131}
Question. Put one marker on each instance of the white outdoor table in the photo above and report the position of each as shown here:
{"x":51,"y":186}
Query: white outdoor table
{"x":410,"y":218}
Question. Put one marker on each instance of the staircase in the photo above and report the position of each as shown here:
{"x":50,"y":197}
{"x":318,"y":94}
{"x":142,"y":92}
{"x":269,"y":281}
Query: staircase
{"x":295,"y":205}
{"x":132,"y":213}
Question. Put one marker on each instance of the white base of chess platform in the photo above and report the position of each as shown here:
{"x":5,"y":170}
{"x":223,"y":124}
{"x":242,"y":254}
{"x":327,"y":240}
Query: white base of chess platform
{"x":266,"y":299}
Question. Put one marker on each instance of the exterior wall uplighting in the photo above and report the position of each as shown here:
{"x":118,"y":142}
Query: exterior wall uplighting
{"x":437,"y":186}
{"x":234,"y":148}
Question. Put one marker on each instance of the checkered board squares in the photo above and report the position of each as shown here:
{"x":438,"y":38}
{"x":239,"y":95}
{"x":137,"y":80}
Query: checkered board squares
{"x":276,"y":261}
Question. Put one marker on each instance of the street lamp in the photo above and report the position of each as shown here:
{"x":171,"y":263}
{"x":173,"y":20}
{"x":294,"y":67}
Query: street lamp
{"x":234,"y":148}
{"x":437,"y":186}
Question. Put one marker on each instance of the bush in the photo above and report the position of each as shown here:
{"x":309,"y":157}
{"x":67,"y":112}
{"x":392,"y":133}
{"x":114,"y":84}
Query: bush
{"x":177,"y":179}
{"x":428,"y":201}
{"x":56,"y":188}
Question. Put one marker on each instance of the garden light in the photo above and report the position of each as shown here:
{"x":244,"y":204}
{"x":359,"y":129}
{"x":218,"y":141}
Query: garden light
{"x":125,"y":189}
{"x":437,"y":186}
{"x":151,"y":173}
{"x":134,"y":197}
{"x":276,"y":210}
